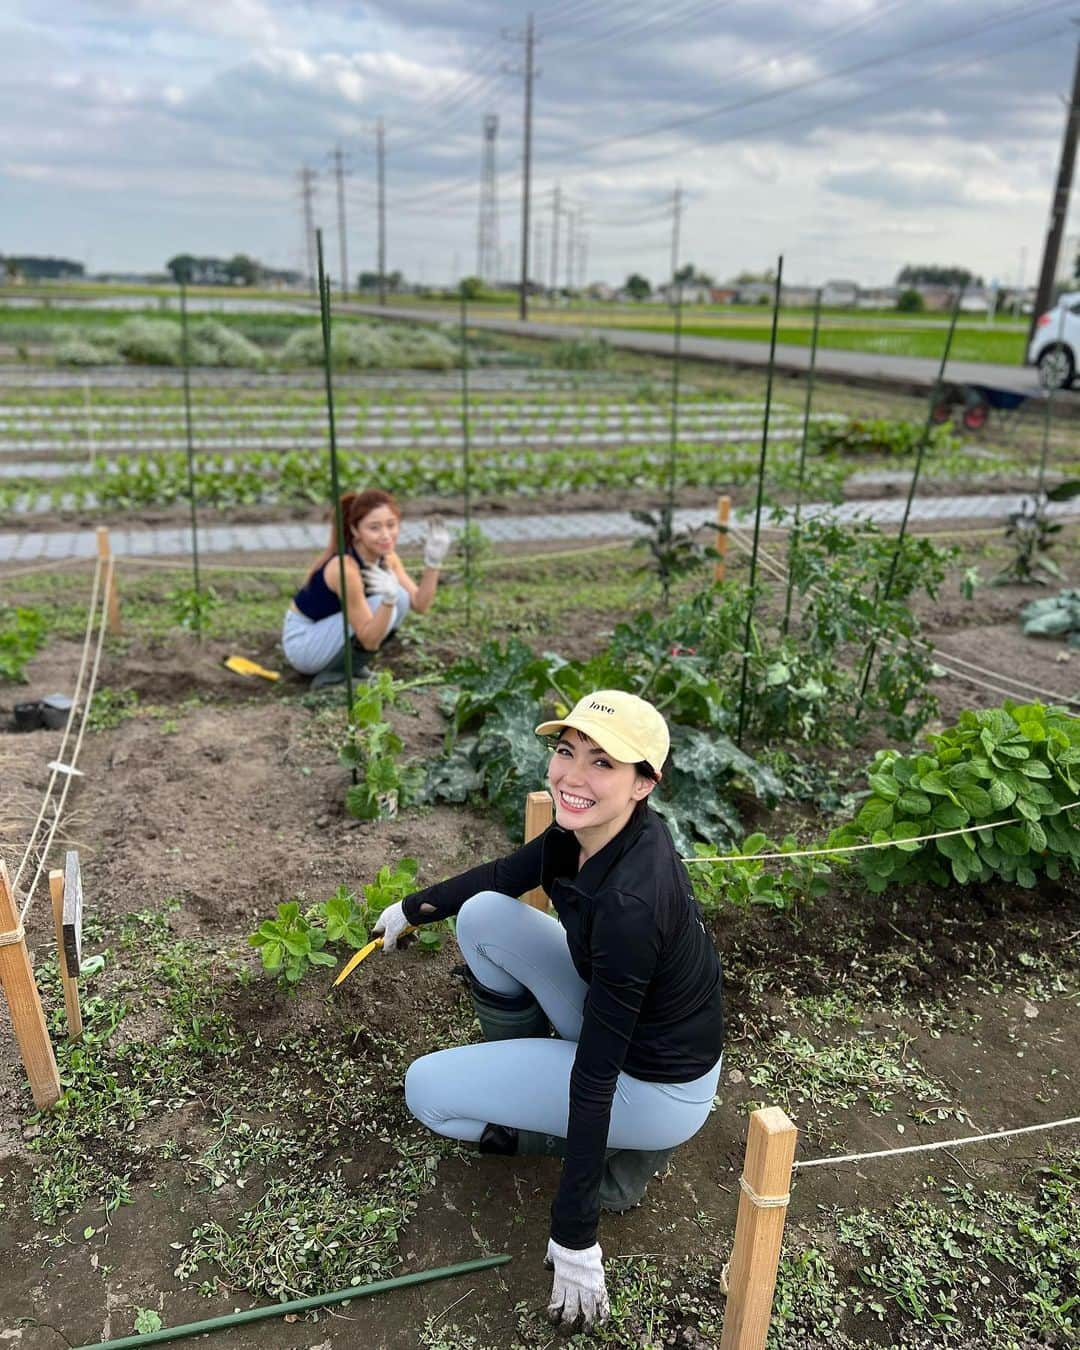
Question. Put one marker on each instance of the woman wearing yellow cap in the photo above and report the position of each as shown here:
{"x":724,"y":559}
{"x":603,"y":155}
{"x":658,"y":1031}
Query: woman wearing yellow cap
{"x":625,"y":974}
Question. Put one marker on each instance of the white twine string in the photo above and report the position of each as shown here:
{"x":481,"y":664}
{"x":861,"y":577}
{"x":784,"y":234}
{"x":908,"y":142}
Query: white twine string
{"x":941,"y":1143}
{"x":859,"y":848}
{"x":763,"y":1201}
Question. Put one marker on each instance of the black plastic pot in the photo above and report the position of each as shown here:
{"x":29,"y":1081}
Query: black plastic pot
{"x":28,"y":716}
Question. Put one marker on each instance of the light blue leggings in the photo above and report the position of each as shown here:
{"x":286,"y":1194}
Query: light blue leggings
{"x":525,"y":1084}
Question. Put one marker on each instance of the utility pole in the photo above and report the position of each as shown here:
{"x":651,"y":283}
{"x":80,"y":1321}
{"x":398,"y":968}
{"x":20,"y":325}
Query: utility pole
{"x":307,"y":191}
{"x":556,"y":208}
{"x":526,"y":176}
{"x":380,"y":155}
{"x":1059,"y":206}
{"x":583,"y":252}
{"x":487,"y":230}
{"x":339,"y":173}
{"x":676,"y":218}
{"x":570,"y":217}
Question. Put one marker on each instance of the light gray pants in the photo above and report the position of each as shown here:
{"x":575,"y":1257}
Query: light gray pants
{"x":311,"y":644}
{"x":525,"y":1084}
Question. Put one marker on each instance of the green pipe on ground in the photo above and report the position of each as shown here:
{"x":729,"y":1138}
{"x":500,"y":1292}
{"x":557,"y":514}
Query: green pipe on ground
{"x":297,"y":1305}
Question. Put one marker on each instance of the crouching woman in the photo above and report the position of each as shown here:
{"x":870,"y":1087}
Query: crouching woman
{"x":625,"y":973}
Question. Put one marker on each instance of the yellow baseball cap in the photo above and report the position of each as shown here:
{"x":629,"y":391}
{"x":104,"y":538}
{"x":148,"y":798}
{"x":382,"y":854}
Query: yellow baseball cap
{"x":627,"y":727}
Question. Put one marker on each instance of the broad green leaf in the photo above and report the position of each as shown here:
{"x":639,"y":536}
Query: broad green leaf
{"x":1025,"y":877}
{"x":975,"y":799}
{"x":1036,"y":835}
{"x":905,"y":830}
{"x":875,"y":815}
{"x":884,"y":785}
{"x":1001,"y":794}
{"x":914,"y":803}
{"x":949,"y":816}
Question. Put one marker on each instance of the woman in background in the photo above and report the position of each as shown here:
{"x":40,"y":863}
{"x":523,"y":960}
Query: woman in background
{"x":378,"y":590}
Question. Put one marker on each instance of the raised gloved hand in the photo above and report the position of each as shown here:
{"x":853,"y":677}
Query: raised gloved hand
{"x":391,"y":924}
{"x":437,"y":543}
{"x":579,"y":1288}
{"x":381,"y":586}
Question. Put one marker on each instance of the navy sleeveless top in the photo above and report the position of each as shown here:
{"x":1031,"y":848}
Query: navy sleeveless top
{"x":315,"y":600}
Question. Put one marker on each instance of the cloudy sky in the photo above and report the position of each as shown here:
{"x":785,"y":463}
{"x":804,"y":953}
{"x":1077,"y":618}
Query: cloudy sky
{"x":849,"y":135}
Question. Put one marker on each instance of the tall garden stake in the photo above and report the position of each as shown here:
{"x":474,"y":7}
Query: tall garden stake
{"x":757,"y":507}
{"x":335,"y":485}
{"x":465,"y":464}
{"x":923,"y":443}
{"x":793,"y":545}
{"x":185,"y":362}
{"x":673,"y":448}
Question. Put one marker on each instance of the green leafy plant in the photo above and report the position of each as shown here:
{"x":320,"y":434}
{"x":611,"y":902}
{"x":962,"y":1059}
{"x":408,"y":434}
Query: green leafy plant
{"x":291,"y":944}
{"x":22,"y":631}
{"x":673,"y":554}
{"x":384,"y":786}
{"x":192,"y":606}
{"x":779,"y":883}
{"x":1056,"y":616}
{"x":1019,"y":763}
{"x":875,"y":436}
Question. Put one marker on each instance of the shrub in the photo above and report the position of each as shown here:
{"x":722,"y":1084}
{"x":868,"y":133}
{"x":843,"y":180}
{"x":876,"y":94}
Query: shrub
{"x":149,"y":342}
{"x":213,"y":344}
{"x":910,"y":302}
{"x":1019,"y":763}
{"x":357,"y":346}
{"x":85,"y":349}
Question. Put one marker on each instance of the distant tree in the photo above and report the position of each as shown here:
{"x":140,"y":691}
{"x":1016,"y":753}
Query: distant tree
{"x":910,"y":302}
{"x":395,"y":280}
{"x":367,"y":281}
{"x":934,"y":274}
{"x":472,"y":288}
{"x":637,"y":287}
{"x":688,"y":275}
{"x":242,"y":270}
{"x":182,"y":268}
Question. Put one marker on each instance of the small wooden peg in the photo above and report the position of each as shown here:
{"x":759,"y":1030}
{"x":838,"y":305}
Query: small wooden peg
{"x":723,"y":515}
{"x":58,"y":890}
{"x":539,"y":814}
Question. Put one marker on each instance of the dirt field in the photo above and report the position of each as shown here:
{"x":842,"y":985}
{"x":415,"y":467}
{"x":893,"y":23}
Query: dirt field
{"x":219,"y":799}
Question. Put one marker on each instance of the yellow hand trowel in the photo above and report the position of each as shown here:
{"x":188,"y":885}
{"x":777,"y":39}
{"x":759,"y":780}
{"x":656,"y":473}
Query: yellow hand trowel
{"x":242,"y":666}
{"x":363,"y":953}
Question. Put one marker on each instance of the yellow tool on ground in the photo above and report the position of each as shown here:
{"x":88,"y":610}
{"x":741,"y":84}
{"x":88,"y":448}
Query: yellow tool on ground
{"x":242,"y":666}
{"x":363,"y":954}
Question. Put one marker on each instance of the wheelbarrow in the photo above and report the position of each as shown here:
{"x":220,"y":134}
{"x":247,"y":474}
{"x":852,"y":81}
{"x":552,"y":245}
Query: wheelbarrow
{"x":976,"y":402}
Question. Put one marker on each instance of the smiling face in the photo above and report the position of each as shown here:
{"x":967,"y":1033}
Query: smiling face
{"x":594,"y":795}
{"x":376,"y":535}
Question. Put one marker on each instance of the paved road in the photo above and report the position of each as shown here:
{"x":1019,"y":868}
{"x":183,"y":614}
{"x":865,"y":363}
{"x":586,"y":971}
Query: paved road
{"x":569,"y":525}
{"x":908,"y":372}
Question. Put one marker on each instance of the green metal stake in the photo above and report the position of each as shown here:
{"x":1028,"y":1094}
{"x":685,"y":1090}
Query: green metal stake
{"x":923,"y":443}
{"x":1048,"y":421}
{"x":793,"y":545}
{"x":665,"y":579}
{"x":185,"y":362}
{"x":757,"y":509}
{"x":297,"y":1305}
{"x":335,"y":485}
{"x":465,"y":463}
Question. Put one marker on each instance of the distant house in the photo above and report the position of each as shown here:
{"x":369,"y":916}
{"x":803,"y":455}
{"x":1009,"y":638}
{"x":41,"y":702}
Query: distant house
{"x":755,"y":292}
{"x":723,"y":295}
{"x":600,"y":290}
{"x":878,"y":297}
{"x":693,"y":293}
{"x":839,"y":294}
{"x":936,"y":297}
{"x":799,"y":297}
{"x":976,"y":300}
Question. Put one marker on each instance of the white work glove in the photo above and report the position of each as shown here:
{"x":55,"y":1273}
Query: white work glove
{"x":579,"y":1287}
{"x":390,"y":925}
{"x":381,"y":586}
{"x":437,"y":543}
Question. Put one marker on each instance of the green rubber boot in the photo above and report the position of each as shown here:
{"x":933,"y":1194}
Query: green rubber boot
{"x":334,"y":673}
{"x":627,"y":1173}
{"x":507,"y":1017}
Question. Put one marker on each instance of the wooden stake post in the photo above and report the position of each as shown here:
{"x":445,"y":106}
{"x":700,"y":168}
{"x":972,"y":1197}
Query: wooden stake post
{"x":66,"y":889}
{"x":764,"y":1186}
{"x":104,"y":549}
{"x":24,"y":1003}
{"x":539,"y":813}
{"x":723,"y":515}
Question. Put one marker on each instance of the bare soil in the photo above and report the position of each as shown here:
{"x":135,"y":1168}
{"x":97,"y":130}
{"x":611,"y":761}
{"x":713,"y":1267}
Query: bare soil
{"x":229,"y":799}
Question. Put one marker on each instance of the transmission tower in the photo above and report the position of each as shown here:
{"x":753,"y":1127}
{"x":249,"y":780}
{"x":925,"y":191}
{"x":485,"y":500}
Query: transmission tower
{"x":487,"y":233}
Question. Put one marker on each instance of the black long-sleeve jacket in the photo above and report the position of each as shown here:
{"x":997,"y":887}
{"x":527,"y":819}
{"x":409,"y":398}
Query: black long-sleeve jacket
{"x":636,"y":937}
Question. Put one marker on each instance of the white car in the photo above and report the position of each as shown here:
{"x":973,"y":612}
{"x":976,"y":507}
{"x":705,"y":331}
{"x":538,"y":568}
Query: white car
{"x":1055,"y":343}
